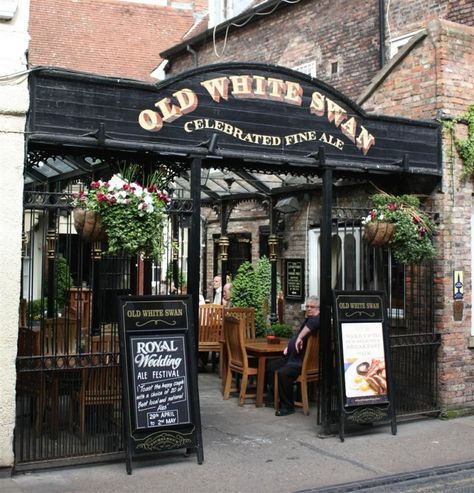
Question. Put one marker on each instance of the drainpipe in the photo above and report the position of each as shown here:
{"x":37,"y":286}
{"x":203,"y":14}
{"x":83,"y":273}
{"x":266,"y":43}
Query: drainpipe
{"x":382,"y":32}
{"x":194,"y":54}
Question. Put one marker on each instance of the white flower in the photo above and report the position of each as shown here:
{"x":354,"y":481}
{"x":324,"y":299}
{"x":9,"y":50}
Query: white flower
{"x":116,"y":183}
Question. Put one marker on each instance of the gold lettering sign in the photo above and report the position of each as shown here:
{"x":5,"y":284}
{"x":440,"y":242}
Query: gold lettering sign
{"x":257,"y":87}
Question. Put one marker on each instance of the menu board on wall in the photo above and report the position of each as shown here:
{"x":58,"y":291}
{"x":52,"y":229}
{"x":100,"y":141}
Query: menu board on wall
{"x":159,"y":371}
{"x":363,"y":357}
{"x":294,"y":279}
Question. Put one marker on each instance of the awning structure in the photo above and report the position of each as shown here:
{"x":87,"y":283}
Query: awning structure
{"x":257,"y":129}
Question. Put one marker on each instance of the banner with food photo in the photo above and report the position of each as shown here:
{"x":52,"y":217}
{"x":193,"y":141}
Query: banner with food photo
{"x":363,"y":354}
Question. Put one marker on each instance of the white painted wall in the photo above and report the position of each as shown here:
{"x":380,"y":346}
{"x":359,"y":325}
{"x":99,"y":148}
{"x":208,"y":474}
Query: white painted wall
{"x":13,"y":107}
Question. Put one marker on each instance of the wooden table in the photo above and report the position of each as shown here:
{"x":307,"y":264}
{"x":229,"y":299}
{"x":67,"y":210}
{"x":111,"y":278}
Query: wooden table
{"x":261,"y":349}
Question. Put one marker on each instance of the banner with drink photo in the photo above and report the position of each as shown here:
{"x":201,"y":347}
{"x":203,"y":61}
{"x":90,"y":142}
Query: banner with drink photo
{"x":363,"y":352}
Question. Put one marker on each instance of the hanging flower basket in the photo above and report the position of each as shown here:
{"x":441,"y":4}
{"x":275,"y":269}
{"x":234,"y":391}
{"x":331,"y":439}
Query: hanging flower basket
{"x":89,"y":225}
{"x":398,"y":221}
{"x":129,"y":215}
{"x":378,"y":234}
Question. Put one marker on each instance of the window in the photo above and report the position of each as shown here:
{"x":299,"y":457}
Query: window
{"x":307,"y":68}
{"x":345,"y":259}
{"x":356,"y":266}
{"x":334,"y":68}
{"x":223,"y":10}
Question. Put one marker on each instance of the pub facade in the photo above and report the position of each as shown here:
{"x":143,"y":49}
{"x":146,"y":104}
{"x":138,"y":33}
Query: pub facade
{"x":262,"y":159}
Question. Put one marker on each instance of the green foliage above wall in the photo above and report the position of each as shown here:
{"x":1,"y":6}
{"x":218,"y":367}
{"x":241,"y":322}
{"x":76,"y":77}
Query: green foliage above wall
{"x":465,"y":147}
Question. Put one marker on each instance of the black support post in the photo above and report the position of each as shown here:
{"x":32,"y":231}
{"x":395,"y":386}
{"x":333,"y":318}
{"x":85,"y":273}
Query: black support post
{"x":273,"y":318}
{"x":195,"y":241}
{"x":325,"y":296}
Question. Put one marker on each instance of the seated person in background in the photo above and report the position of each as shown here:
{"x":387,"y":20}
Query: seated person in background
{"x":289,"y":366}
{"x":226,"y":293}
{"x":217,"y":285}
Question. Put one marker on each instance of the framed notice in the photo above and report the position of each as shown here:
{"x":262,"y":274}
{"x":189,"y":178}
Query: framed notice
{"x":159,"y":374}
{"x":294,"y":279}
{"x":364,"y":368}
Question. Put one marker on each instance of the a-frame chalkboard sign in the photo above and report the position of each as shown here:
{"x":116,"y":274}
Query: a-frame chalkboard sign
{"x":159,"y":375}
{"x":363,"y":359}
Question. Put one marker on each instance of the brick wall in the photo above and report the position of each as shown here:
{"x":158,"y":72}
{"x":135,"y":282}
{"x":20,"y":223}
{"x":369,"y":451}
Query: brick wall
{"x":316,"y":31}
{"x":307,"y":31}
{"x":436,"y":78}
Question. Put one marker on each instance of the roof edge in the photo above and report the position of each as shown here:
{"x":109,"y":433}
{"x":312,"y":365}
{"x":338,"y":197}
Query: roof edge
{"x":247,"y":17}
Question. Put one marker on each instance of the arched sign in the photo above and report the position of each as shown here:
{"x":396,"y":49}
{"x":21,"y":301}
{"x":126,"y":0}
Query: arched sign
{"x":251,"y":111}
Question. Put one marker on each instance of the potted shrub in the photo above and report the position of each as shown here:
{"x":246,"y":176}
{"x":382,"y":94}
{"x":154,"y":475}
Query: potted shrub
{"x":276,"y":332}
{"x":132,"y":215}
{"x":397,"y":220}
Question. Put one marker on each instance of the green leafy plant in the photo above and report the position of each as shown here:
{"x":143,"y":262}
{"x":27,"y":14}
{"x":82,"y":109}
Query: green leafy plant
{"x":411,"y":242}
{"x":35,"y":309}
{"x":465,"y":147}
{"x":132,"y":214}
{"x":251,"y":287}
{"x":281,"y":330}
{"x":64,"y":282}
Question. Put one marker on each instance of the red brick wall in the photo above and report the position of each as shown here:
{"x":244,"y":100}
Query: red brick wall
{"x":326,"y":31}
{"x":307,"y":31}
{"x":437,"y":77}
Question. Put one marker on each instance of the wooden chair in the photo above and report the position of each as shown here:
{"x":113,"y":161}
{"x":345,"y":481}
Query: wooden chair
{"x":61,"y":336}
{"x":247,"y":314}
{"x":309,"y":373}
{"x":31,"y":384}
{"x":99,"y":387}
{"x":210,"y":330}
{"x":237,"y":360}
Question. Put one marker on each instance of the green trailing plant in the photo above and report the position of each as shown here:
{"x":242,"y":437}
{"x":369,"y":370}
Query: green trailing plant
{"x":465,"y":147}
{"x":411,"y":242}
{"x":251,"y":287}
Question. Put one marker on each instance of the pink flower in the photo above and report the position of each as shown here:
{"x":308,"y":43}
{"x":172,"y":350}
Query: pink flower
{"x":392,"y":206}
{"x":95,"y":185}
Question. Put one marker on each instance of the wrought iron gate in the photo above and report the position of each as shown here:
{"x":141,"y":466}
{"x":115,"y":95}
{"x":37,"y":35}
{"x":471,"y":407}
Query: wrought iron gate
{"x":68,"y":370}
{"x":410,"y":294}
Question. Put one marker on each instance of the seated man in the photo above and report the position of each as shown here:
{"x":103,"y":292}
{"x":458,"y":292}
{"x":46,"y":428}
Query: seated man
{"x":289,"y":366}
{"x":226,"y":294}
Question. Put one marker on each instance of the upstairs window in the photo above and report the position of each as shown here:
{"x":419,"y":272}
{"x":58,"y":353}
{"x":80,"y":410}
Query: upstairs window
{"x":223,"y":10}
{"x":307,"y":68}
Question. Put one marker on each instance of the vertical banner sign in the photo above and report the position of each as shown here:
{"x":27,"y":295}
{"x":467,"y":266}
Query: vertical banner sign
{"x":363,"y":358}
{"x":159,"y":369}
{"x":294,"y":279}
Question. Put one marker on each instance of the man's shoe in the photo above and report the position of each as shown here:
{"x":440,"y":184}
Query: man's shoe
{"x":284,"y":412}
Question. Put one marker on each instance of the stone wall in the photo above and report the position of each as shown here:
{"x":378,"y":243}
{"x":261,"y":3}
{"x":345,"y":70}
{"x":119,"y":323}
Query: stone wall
{"x":13,"y":108}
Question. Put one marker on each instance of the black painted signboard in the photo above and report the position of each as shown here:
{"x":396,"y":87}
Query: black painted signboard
{"x":256,"y":112}
{"x":294,"y":279}
{"x":160,"y":391}
{"x":364,"y":369}
{"x":161,"y":410}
